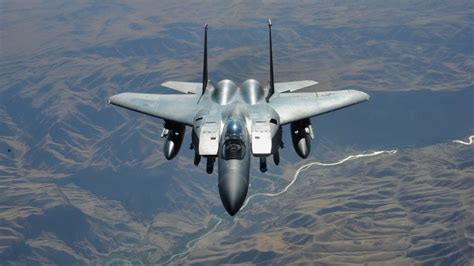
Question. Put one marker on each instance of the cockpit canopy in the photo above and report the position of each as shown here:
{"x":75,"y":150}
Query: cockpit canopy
{"x":234,"y":129}
{"x":234,"y":145}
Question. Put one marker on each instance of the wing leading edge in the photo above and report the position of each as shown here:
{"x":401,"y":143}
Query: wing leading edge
{"x":163,"y":106}
{"x":296,"y":106}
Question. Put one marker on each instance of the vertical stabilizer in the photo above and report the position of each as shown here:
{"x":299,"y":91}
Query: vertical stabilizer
{"x":271,"y":89}
{"x":204,"y":68}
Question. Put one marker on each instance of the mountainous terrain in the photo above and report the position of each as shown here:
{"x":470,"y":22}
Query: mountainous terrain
{"x":414,"y":206}
{"x":83,"y":182}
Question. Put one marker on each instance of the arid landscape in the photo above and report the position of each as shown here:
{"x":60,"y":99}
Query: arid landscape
{"x":82,"y":182}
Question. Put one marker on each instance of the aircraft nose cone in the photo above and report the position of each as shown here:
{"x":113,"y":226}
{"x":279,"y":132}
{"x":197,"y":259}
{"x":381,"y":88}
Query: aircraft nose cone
{"x":233,"y":190}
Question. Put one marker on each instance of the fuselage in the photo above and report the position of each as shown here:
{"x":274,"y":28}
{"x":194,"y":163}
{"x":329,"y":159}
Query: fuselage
{"x":235,"y":123}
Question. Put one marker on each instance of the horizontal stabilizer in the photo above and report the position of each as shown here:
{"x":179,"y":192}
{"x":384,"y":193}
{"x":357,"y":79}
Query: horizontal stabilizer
{"x":184,"y":87}
{"x":293,"y":85}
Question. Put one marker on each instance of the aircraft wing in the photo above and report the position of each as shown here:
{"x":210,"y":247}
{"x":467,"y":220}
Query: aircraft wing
{"x":293,"y":85}
{"x":185,"y":87}
{"x":296,"y":106}
{"x":175,"y":107}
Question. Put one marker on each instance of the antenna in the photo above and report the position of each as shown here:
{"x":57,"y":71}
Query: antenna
{"x":204,"y":68}
{"x":271,"y":90}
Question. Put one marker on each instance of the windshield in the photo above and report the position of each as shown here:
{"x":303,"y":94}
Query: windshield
{"x":234,"y":147}
{"x":234,"y":129}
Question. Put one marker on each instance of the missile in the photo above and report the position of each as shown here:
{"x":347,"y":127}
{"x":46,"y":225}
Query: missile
{"x":301,"y":135}
{"x":174,"y":134}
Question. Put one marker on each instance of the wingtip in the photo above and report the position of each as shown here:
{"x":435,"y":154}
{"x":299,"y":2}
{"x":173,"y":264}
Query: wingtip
{"x":360,"y":95}
{"x":110,"y":99}
{"x":115,"y":98}
{"x":365,"y":96}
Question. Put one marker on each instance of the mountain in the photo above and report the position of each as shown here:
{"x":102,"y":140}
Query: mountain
{"x":83,"y":182}
{"x":410,"y":207}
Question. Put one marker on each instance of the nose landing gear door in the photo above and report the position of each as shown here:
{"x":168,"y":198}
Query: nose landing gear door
{"x":261,"y":137}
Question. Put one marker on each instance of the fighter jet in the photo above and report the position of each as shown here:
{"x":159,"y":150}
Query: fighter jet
{"x":232,"y":123}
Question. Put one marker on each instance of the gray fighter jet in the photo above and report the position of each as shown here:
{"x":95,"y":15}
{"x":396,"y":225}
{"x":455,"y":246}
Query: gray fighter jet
{"x":231,"y":123}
